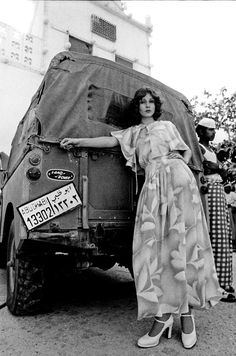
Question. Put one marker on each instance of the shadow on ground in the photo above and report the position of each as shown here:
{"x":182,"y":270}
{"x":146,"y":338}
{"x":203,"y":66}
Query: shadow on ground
{"x":89,"y":286}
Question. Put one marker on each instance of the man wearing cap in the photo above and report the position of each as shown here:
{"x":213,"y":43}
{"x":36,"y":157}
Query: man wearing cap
{"x":219,"y":220}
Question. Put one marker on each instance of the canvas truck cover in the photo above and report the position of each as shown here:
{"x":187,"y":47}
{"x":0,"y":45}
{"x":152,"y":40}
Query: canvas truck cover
{"x":87,"y":96}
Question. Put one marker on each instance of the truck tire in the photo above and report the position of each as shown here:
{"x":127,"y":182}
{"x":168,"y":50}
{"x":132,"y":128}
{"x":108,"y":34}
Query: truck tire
{"x":25,"y":281}
{"x":2,"y":256}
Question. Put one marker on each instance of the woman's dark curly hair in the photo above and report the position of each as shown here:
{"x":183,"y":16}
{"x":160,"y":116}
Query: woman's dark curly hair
{"x":134,"y":104}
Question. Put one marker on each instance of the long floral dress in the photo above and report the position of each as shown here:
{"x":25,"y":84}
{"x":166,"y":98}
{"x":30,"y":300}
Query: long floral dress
{"x":172,"y":257}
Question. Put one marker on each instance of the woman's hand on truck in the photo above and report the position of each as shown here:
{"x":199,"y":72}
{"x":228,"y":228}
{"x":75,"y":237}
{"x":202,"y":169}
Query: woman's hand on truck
{"x":68,"y":143}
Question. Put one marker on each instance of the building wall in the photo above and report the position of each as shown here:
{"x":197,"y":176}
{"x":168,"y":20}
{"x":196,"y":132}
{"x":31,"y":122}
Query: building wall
{"x":132,"y":41}
{"x":24,"y":58}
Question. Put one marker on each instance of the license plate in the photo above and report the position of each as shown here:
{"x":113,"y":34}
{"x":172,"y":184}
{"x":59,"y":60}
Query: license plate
{"x":49,"y":206}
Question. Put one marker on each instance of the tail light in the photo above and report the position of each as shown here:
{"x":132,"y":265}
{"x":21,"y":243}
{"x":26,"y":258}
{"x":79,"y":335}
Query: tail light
{"x":35,"y":159}
{"x":33,"y":173}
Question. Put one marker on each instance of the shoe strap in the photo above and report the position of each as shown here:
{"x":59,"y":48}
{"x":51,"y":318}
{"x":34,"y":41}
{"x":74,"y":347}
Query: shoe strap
{"x":161,"y":321}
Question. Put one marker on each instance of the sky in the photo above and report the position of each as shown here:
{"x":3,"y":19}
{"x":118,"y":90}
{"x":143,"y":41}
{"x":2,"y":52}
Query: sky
{"x":17,"y":13}
{"x":193,"y":43}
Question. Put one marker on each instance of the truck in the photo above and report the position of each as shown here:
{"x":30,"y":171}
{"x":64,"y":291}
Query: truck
{"x":79,"y":202}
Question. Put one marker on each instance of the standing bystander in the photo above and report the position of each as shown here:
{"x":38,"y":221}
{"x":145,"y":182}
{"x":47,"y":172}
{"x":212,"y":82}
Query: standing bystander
{"x":219,"y":219}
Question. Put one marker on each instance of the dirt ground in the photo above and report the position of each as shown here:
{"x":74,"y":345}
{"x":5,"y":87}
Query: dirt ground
{"x":94,"y":314}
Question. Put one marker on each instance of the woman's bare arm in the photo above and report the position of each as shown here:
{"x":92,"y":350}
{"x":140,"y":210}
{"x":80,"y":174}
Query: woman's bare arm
{"x":98,"y":142}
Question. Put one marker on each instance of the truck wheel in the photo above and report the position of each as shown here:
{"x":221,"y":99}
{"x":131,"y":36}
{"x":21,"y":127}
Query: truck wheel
{"x":2,"y":256}
{"x":25,"y":281}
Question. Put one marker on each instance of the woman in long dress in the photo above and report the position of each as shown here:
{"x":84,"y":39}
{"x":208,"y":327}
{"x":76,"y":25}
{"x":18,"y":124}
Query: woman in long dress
{"x":173,"y":263}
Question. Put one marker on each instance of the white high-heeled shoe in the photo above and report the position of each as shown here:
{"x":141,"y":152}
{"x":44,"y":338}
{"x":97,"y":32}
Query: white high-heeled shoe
{"x":151,"y":341}
{"x":189,"y":340}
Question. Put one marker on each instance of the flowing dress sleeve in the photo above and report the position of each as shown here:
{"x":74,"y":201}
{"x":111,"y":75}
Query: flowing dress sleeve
{"x":176,"y":141}
{"x":126,"y":141}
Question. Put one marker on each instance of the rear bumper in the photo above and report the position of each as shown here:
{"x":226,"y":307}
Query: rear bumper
{"x":70,"y":238}
{"x":99,"y":239}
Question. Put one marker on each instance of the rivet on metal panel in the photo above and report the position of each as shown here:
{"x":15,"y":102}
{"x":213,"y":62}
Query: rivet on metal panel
{"x":94,"y":156}
{"x":46,"y":148}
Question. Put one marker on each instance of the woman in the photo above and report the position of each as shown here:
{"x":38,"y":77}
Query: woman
{"x":219,"y":218}
{"x":172,"y":257}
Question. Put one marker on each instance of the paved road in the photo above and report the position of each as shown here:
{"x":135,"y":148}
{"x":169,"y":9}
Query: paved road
{"x":94,"y":314}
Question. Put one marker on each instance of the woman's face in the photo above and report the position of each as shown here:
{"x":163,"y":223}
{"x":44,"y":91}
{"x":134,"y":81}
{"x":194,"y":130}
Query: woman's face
{"x":147,"y":106}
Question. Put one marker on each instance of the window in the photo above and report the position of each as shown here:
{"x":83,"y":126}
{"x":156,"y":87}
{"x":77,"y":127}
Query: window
{"x":80,"y":46}
{"x":103,"y":28}
{"x":124,"y":62}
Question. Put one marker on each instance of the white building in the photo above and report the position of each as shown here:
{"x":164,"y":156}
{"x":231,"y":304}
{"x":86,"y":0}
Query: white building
{"x":100,"y":28}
